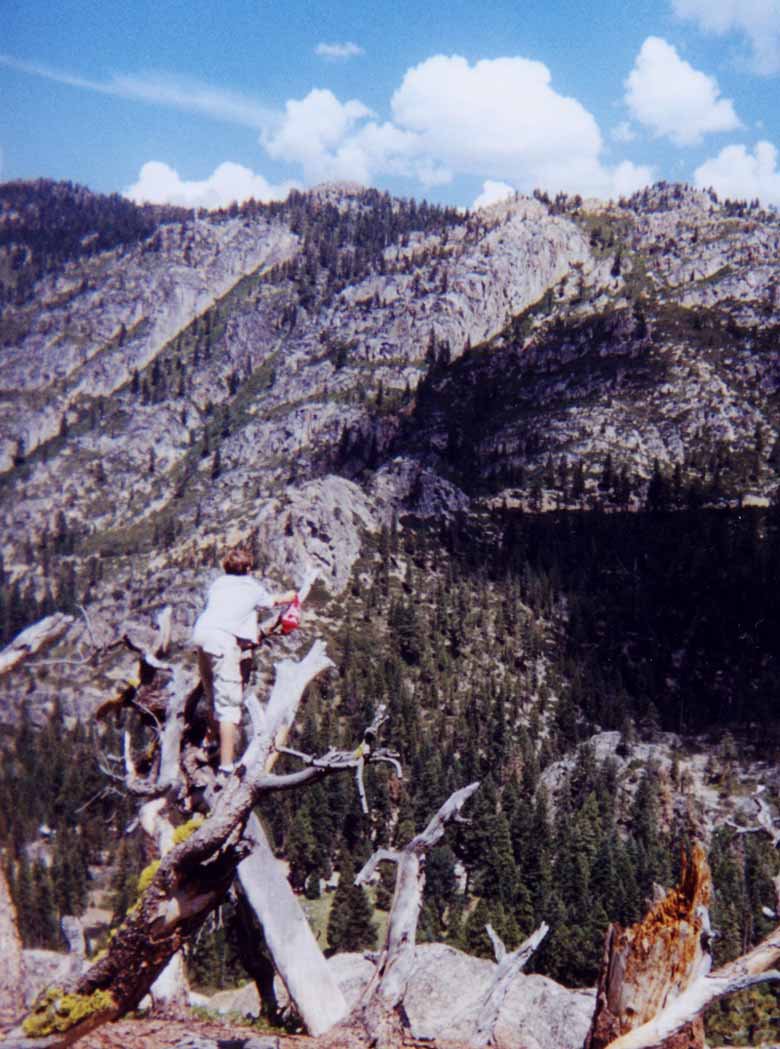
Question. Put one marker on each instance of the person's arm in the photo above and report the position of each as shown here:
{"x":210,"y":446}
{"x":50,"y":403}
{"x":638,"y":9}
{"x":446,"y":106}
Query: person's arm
{"x":285,"y":598}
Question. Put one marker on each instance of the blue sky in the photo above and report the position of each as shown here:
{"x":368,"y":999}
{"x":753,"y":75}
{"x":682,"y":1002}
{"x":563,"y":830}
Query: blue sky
{"x":459,"y":102}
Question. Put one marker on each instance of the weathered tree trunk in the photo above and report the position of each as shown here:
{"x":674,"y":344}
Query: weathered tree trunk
{"x":659,"y":958}
{"x":299,"y":961}
{"x":12,"y":967}
{"x":655,"y":978}
{"x":191,"y":880}
{"x":170,"y":992}
{"x":255,"y":960}
{"x":385,"y":991}
{"x":33,"y":638}
{"x":509,"y":966}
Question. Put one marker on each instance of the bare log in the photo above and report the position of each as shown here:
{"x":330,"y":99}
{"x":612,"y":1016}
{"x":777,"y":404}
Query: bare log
{"x":299,"y":961}
{"x":509,"y":966}
{"x":32,"y":639}
{"x":385,"y":991}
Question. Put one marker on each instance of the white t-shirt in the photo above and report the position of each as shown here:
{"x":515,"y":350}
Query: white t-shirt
{"x":231,"y":608}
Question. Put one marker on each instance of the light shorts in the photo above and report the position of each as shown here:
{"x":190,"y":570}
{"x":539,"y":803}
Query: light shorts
{"x":220,"y":672}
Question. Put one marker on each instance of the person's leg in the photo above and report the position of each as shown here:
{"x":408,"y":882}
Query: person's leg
{"x":206,"y":669}
{"x":228,"y":698}
{"x":228,"y":735}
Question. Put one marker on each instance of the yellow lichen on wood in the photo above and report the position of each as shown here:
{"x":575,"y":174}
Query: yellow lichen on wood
{"x":186,"y":830}
{"x":55,"y":1011}
{"x":146,"y":875}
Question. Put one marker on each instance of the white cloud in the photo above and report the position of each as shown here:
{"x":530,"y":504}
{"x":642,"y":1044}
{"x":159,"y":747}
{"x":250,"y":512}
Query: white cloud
{"x":184,"y":93}
{"x":335,"y":140}
{"x":492,"y":193}
{"x":623,"y":132}
{"x":758,"y":20}
{"x":315,"y":132}
{"x":740,"y":175}
{"x":501,"y":119}
{"x":160,"y":184}
{"x":493,"y":116}
{"x":338,"y":52}
{"x":669,"y":96}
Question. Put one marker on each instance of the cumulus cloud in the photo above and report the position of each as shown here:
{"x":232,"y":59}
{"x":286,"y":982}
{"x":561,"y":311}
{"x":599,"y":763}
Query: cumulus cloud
{"x":499,"y":119}
{"x":492,"y":193}
{"x":160,"y":184}
{"x":335,"y":140}
{"x":669,"y":96}
{"x":741,"y":175}
{"x":757,"y":20}
{"x":494,"y":115}
{"x":502,"y":119}
{"x":338,"y":52}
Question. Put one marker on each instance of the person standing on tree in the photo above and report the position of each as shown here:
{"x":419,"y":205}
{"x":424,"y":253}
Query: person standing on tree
{"x":225,"y":627}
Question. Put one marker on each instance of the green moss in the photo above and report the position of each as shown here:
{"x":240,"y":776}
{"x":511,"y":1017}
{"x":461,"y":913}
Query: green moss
{"x":55,"y":1011}
{"x":186,"y":830}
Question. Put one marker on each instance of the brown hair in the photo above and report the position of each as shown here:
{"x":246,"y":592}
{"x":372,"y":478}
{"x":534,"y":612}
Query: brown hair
{"x":238,"y":561}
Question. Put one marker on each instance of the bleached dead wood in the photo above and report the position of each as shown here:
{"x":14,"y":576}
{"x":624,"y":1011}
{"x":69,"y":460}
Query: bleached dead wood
{"x":194,"y":876}
{"x":656,"y":977}
{"x":32,"y":639}
{"x":509,"y":966}
{"x":385,"y":991}
{"x":297,"y":956}
{"x":752,"y":968}
{"x":170,"y":992}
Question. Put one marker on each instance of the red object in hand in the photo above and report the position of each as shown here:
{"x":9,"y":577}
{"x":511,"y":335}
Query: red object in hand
{"x":291,"y":617}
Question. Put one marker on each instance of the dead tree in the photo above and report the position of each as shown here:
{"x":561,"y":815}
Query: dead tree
{"x":656,"y":977}
{"x":384,"y":994}
{"x":192,"y":878}
{"x":32,"y":639}
{"x":509,"y":966}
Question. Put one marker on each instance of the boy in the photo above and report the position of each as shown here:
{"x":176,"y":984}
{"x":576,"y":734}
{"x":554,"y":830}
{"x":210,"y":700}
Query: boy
{"x":228,"y":621}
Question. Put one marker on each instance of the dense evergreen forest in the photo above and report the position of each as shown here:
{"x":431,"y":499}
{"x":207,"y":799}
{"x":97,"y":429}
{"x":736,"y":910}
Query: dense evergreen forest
{"x":499,"y":647}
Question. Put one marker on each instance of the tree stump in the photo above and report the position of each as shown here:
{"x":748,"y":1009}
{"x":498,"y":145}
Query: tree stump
{"x":653,"y":962}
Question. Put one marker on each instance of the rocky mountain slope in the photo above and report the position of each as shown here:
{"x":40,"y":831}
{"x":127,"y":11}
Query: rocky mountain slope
{"x":345,"y":352}
{"x":533,"y":453}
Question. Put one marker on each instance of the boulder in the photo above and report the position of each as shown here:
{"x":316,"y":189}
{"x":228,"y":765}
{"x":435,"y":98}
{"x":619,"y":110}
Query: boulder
{"x":44,"y":969}
{"x":447,"y":988}
{"x":240,"y":1001}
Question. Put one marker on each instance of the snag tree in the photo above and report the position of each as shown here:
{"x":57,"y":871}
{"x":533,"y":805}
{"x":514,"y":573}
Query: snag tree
{"x":207,"y":837}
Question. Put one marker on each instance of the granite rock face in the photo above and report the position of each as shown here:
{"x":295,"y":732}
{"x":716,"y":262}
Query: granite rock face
{"x":231,"y":377}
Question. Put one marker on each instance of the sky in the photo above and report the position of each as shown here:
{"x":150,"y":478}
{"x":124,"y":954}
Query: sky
{"x":459,"y":102}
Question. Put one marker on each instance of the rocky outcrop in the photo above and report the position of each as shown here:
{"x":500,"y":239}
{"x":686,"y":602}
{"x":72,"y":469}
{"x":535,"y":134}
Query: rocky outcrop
{"x":537,"y":1013}
{"x":319,"y":525}
{"x":223,"y":379}
{"x":692,"y":779}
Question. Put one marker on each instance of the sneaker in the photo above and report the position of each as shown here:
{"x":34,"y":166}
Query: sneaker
{"x":224,"y":772}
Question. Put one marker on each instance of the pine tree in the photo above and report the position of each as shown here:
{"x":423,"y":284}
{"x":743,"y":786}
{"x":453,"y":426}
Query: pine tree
{"x":350,"y":927}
